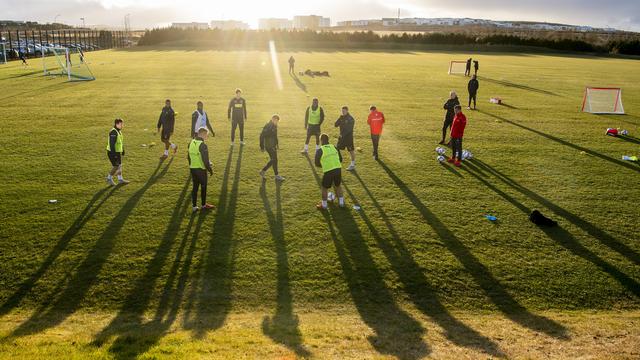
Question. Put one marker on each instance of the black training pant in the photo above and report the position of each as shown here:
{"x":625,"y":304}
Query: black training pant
{"x":456,"y":146}
{"x":237,"y":123}
{"x":375,"y":139}
{"x":199,"y":177}
{"x":273,"y":160}
{"x":472,"y":96}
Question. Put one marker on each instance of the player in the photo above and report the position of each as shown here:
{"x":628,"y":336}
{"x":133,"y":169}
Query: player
{"x":457,"y":132}
{"x":448,"y":117}
{"x":473,"y":87}
{"x":165,"y":127}
{"x":375,"y":121}
{"x":292,"y":64}
{"x":313,"y":118}
{"x":115,"y":152}
{"x":237,"y":113}
{"x":329,"y":158}
{"x":346,"y":122}
{"x":269,"y":143}
{"x":467,"y":70}
{"x":200,"y":119}
{"x":199,"y":166}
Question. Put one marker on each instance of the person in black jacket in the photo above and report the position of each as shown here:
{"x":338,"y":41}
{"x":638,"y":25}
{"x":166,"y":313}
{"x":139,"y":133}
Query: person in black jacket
{"x":199,"y":119}
{"x":292,"y":64}
{"x":346,"y":123}
{"x":473,"y":87}
{"x":166,"y":123}
{"x":237,"y":114}
{"x":476,"y":65}
{"x":269,"y":143}
{"x":313,"y":119}
{"x":448,"y":117}
{"x":467,"y":70}
{"x":115,"y":152}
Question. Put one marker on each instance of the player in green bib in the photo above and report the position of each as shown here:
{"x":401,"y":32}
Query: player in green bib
{"x":199,"y":165}
{"x":115,"y":152}
{"x":328,"y":157}
{"x":313,"y":118}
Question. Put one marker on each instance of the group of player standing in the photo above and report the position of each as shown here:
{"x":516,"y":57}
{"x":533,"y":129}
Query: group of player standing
{"x":327,"y":156}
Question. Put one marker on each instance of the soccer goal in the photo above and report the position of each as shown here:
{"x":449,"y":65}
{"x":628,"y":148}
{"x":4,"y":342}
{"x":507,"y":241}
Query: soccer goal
{"x":3,"y":56}
{"x":600,"y":100}
{"x":66,"y":61}
{"x":457,"y":67}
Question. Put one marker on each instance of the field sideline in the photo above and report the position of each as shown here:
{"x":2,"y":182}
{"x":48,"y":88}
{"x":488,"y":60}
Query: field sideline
{"x":128,"y":271}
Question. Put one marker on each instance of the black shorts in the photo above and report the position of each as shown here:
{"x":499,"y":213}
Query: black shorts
{"x":165,"y":136}
{"x":313,"y":130}
{"x":345,"y":143}
{"x":116,"y":159}
{"x":332,"y":178}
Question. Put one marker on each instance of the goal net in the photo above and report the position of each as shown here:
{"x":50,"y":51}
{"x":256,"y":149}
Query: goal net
{"x":3,"y":55}
{"x":66,"y":61}
{"x":599,"y":100}
{"x":457,"y":67}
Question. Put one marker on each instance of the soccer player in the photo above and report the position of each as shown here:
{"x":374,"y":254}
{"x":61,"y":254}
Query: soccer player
{"x":448,"y":117}
{"x":473,"y":87}
{"x":115,"y":152}
{"x":313,"y":118}
{"x":200,"y":119}
{"x":467,"y":70}
{"x":165,"y":127}
{"x":457,"y":132}
{"x":375,"y":121}
{"x":199,"y":165}
{"x":346,"y":122}
{"x":269,"y":143}
{"x":22,"y":57}
{"x":292,"y":64}
{"x":329,"y":158}
{"x":476,"y":65}
{"x":237,"y":113}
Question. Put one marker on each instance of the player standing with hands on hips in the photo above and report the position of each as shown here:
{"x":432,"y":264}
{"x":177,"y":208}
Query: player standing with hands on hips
{"x":346,"y":123}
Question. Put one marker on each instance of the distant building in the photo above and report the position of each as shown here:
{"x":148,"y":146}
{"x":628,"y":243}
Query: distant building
{"x":229,"y":25}
{"x":275,"y":24}
{"x":191,"y":25}
{"x":312,"y":22}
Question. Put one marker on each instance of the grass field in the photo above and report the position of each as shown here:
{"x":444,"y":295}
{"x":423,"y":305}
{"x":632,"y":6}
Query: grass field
{"x":129,"y":271}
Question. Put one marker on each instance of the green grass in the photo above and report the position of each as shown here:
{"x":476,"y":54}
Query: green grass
{"x":419,"y":253}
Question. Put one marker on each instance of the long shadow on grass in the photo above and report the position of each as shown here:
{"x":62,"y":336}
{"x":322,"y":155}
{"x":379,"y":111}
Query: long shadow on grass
{"x":298,"y":82}
{"x":516,"y":86}
{"x":483,"y":277}
{"x":563,"y":237}
{"x":283,"y":326}
{"x":566,"y":143}
{"x":213,"y":297}
{"x":53,"y":312}
{"x":586,"y":226}
{"x":415,"y":283}
{"x":87,"y":213}
{"x":396,"y":332}
{"x":130,"y":318}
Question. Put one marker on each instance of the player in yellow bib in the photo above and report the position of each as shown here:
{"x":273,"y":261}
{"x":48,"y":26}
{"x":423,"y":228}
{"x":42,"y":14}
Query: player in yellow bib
{"x":115,"y":152}
{"x":328,"y":157}
{"x":199,"y":165}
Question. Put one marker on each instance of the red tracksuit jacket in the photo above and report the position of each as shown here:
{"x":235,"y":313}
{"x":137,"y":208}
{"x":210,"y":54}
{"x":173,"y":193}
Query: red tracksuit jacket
{"x":459,"y":123}
{"x":375,"y":121}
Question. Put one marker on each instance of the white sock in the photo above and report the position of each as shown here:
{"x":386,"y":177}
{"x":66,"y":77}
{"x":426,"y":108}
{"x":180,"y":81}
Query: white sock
{"x":317,"y":147}
{"x":341,"y":201}
{"x":166,"y":152}
{"x":353,"y":163}
{"x":306,"y":147}
{"x":173,"y":146}
{"x":120,"y":177}
{"x":109,"y":177}
{"x":324,"y":203}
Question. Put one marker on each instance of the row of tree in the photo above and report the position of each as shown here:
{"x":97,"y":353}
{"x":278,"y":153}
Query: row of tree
{"x":309,"y":39}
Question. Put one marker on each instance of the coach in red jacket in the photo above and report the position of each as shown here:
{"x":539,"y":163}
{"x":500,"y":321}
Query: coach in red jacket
{"x":375,"y":121}
{"x":457,"y":132}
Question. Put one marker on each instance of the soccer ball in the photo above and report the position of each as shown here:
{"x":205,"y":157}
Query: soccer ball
{"x":441,"y":158}
{"x":331,"y":196}
{"x":466,"y":154}
{"x":440,"y":150}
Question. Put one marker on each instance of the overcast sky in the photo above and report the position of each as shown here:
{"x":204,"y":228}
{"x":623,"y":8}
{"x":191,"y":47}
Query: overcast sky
{"x":621,"y":14}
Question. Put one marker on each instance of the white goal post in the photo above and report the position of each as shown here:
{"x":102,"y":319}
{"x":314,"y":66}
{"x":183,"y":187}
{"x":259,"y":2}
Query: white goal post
{"x":602,"y":100}
{"x":66,"y":61}
{"x":457,"y":67}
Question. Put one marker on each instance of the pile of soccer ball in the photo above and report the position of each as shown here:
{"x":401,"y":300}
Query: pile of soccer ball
{"x":466,"y":154}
